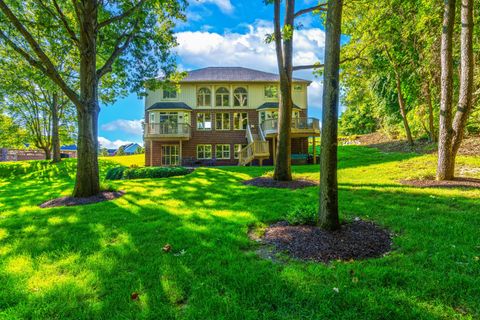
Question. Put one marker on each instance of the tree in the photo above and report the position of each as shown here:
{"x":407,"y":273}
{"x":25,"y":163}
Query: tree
{"x":283,"y":38}
{"x":103,"y":152}
{"x":11,"y":135}
{"x":328,"y":209}
{"x":452,"y":128}
{"x":110,"y":41}
{"x":120,"y":151}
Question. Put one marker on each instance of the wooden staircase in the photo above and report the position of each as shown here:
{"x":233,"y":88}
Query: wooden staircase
{"x":257,"y":147}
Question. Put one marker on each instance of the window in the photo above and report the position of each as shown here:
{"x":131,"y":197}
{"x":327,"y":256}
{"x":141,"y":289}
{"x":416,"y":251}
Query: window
{"x":204,"y":97}
{"x":268,"y":115}
{"x":152,"y":121}
{"x":222,"y":97}
{"x":240,"y":120}
{"x":222,"y":121}
{"x":295,"y":114}
{"x":222,"y":151}
{"x":271,"y":92}
{"x":297,"y":87}
{"x":240,"y":97}
{"x":169,"y":93}
{"x":204,"y":121}
{"x":204,"y":151}
{"x":236,"y":150}
{"x":170,"y":155}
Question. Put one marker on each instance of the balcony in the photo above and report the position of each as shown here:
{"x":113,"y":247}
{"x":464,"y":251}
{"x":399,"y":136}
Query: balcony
{"x":167,"y":131}
{"x":301,"y":127}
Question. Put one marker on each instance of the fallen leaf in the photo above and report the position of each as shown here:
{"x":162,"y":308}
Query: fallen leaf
{"x":336,"y":290}
{"x":167,"y":248}
{"x":134,"y":296}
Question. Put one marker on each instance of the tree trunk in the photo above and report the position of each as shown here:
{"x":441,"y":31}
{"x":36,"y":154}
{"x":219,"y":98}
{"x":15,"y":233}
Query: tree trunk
{"x":329,"y":219}
{"x":403,"y":109}
{"x":431,"y":125}
{"x":48,"y":153}
{"x":87,"y":180}
{"x":283,"y":171}
{"x":445,"y":167}
{"x":55,"y":136}
{"x":466,"y":77}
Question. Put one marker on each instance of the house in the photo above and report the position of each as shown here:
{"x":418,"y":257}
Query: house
{"x":130,"y":148}
{"x":223,"y":116}
{"x":68,"y":151}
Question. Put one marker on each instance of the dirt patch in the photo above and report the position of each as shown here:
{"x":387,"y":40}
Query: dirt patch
{"x":355,"y":240}
{"x":456,"y":183}
{"x":266,"y":182}
{"x":71,"y":201}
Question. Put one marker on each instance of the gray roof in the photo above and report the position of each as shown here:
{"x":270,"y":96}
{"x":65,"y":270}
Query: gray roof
{"x":273,"y":105}
{"x":233,"y":74}
{"x":169,"y":105}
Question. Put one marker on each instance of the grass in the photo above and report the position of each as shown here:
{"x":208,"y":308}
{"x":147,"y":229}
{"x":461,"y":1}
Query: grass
{"x":85,"y":262}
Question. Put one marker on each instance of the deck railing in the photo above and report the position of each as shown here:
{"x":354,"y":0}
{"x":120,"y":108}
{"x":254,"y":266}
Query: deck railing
{"x":256,"y":149}
{"x":270,"y":126}
{"x":168,"y":129}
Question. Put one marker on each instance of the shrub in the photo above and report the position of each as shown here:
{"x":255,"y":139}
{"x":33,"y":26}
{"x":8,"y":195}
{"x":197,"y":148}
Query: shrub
{"x":115,"y":173}
{"x":145,"y":172}
{"x":303,"y":214}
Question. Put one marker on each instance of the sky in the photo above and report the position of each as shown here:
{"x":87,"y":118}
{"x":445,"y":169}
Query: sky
{"x":223,"y":33}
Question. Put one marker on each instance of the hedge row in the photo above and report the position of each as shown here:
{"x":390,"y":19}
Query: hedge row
{"x":118,"y":173}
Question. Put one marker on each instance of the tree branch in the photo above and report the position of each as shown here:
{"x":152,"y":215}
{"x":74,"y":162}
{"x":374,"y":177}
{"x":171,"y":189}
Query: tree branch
{"x":62,"y":17}
{"x":122,"y":16}
{"x":47,"y":68}
{"x":119,"y":49}
{"x":320,"y":7}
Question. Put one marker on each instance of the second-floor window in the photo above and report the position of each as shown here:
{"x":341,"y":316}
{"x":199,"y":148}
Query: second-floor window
{"x":204,"y":121}
{"x":271,"y":92}
{"x":169,"y":93}
{"x":240,"y":97}
{"x":222,"y":121}
{"x":240,"y":120}
{"x":222,"y":97}
{"x":204,"y":97}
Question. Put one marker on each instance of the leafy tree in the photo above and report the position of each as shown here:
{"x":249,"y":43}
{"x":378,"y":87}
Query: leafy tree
{"x":328,"y":209}
{"x":103,"y":152}
{"x":140,"y":150}
{"x":120,"y":151}
{"x":358,"y":120}
{"x":116,"y":45}
{"x":11,"y":135}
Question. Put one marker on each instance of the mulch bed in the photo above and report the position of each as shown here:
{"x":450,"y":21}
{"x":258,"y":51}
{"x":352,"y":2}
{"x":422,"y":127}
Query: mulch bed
{"x":355,"y":240}
{"x":266,"y":182}
{"x":71,"y":201}
{"x":456,"y":183}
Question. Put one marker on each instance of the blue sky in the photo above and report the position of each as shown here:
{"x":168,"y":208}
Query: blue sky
{"x":223,"y":33}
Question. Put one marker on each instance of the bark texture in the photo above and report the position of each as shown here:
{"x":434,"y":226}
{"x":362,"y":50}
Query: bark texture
{"x":452,"y":128}
{"x":328,"y":208}
{"x":55,"y":137}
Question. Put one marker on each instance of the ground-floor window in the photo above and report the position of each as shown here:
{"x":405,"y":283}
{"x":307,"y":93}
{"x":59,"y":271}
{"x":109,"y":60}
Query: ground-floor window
{"x":236,"y":150}
{"x":170,"y":155}
{"x":240,"y":120}
{"x":204,"y":151}
{"x":222,"y":151}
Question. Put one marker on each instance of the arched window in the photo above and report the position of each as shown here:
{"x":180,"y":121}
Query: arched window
{"x":240,"y":97}
{"x":222,"y":97}
{"x":204,"y":97}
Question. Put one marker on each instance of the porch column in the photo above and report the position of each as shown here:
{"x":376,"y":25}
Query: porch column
{"x":314,"y":150}
{"x":151,"y":152}
{"x":274,"y":151}
{"x":180,"y":152}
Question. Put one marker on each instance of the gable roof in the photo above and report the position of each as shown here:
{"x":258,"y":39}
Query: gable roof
{"x":233,"y":74}
{"x":169,"y":105}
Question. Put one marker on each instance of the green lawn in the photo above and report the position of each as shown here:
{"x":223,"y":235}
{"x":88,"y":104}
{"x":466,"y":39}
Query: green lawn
{"x":85,"y":262}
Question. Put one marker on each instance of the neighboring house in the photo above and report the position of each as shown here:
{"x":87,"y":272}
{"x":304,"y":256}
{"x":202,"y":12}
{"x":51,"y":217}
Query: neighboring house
{"x":69,"y":151}
{"x":111,"y":152}
{"x":131,"y":148}
{"x":223,"y":116}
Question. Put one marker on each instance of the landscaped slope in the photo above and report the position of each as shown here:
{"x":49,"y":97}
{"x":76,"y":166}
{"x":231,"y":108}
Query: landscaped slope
{"x":89,"y":262}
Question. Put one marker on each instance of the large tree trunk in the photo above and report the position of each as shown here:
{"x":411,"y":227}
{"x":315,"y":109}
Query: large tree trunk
{"x":87,"y":180}
{"x":48,"y":153}
{"x":55,"y":137}
{"x":283,"y":171}
{"x":445,"y":168}
{"x":403,"y":109}
{"x":328,"y":156}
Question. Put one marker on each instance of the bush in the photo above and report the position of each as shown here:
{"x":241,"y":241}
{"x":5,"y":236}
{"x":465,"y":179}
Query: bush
{"x":115,"y":173}
{"x":303,"y":214}
{"x":145,"y":172}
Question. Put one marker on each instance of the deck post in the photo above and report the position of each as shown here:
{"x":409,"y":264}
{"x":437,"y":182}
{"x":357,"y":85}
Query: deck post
{"x":180,"y":152}
{"x":151,"y":152}
{"x":314,"y":150}
{"x":274,"y":149}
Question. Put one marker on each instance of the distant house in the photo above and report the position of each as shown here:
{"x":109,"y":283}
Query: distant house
{"x":111,"y":152}
{"x":68,"y":151}
{"x":130,"y":148}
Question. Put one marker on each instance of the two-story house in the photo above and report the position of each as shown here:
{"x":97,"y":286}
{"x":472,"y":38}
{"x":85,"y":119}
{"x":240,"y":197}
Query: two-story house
{"x":222,"y":116}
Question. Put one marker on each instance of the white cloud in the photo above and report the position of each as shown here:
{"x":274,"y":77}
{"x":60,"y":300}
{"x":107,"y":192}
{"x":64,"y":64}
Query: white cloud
{"x":224,"y":5}
{"x":105,"y":143}
{"x":203,"y":48}
{"x":126,"y":126}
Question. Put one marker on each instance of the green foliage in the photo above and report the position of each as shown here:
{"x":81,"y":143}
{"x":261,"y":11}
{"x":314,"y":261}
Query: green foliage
{"x":358,"y":120}
{"x":103,"y":152}
{"x":303,"y":214}
{"x":11,"y":134}
{"x":120,"y":151}
{"x":115,"y":173}
{"x":135,"y":172}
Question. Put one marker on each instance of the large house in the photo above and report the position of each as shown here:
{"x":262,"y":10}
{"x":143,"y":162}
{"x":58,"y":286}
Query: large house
{"x":223,"y":116}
